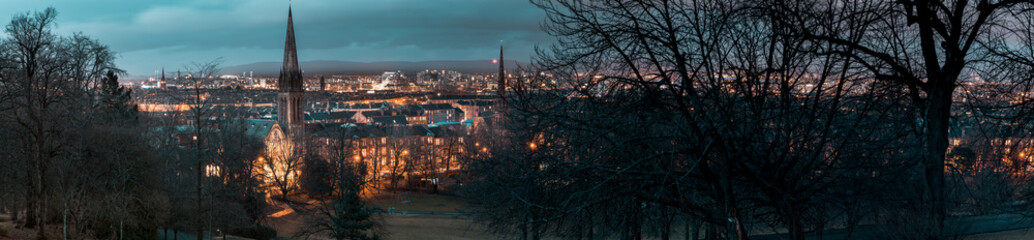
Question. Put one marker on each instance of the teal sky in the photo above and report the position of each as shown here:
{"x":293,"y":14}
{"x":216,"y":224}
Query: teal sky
{"x":150,"y":34}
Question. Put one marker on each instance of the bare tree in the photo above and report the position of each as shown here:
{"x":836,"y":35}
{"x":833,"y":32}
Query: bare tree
{"x":34,"y":94}
{"x":200,"y":73}
{"x":928,"y":47}
{"x":49,"y":86}
{"x":282,"y":164}
{"x":707,"y":107}
{"x":399,"y":155}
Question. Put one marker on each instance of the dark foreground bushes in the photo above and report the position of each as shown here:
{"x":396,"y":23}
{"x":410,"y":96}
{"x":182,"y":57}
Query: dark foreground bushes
{"x":257,"y":232}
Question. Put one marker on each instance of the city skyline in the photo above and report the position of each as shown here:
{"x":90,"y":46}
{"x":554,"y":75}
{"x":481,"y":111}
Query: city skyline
{"x":395,"y":119}
{"x":150,"y":35}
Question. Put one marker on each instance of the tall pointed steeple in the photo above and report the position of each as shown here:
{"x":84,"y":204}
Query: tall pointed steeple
{"x":161,"y":82}
{"x":290,"y":76}
{"x":291,"y":95}
{"x":502,"y":71}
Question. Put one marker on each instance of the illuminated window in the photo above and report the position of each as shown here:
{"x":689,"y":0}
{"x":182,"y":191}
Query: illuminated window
{"x":212,"y":170}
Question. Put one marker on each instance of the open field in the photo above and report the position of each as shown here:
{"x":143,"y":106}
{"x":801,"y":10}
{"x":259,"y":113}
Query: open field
{"x":403,"y":226}
{"x":1022,"y":234}
{"x":400,"y":227}
{"x":416,"y":201}
{"x":434,"y":227}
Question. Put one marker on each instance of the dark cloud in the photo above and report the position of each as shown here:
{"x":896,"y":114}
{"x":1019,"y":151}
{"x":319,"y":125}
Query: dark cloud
{"x":172,"y":33}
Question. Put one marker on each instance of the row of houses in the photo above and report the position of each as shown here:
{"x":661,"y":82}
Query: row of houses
{"x":384,"y":149}
{"x":402,"y":115}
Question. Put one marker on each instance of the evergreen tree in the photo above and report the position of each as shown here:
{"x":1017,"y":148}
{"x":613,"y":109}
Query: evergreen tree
{"x":116,"y":101}
{"x":351,"y":218}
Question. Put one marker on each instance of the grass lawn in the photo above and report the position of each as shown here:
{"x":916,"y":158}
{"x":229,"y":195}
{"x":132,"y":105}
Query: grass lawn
{"x":417,"y":201}
{"x":401,"y":227}
{"x":1021,"y":234}
{"x":434,"y":227}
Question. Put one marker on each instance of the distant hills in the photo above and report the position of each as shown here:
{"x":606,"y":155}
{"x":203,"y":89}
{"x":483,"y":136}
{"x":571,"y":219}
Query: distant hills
{"x":347,"y":67}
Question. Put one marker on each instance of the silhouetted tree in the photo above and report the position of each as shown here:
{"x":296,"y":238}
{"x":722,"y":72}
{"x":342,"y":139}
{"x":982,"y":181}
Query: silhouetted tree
{"x":706,"y":107}
{"x":927,"y":47}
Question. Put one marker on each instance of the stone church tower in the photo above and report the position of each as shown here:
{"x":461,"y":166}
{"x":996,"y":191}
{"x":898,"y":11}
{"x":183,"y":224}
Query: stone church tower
{"x":291,"y":95}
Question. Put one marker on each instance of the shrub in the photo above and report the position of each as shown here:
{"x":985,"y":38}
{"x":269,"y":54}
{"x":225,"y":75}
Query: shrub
{"x":4,"y":229}
{"x":257,"y":232}
{"x":103,"y":231}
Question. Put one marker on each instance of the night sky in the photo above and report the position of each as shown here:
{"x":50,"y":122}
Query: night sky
{"x":150,"y":34}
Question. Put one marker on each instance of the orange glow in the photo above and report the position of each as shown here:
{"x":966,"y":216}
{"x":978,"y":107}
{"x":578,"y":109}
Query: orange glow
{"x":212,"y":170}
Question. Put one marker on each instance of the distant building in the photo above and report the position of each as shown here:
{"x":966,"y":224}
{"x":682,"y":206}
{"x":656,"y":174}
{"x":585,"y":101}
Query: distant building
{"x":440,"y":113}
{"x":323,"y":84}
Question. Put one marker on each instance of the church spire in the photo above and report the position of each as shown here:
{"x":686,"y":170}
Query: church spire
{"x":290,"y":76}
{"x":502,"y":71}
{"x":291,"y":97}
{"x":161,"y":82}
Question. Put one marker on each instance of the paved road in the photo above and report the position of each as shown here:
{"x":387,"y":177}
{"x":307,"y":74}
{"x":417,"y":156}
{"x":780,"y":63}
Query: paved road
{"x":962,"y":226}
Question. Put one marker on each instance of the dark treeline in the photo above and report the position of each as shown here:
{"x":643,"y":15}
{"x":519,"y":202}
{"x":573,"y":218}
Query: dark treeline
{"x":732,"y":119}
{"x":80,"y":162}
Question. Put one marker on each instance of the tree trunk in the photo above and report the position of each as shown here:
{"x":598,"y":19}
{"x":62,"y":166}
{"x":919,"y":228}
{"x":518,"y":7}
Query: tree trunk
{"x":666,"y":233}
{"x":14,"y":213}
{"x":695,"y":233}
{"x":938,"y":116}
{"x":64,"y":221}
{"x":41,"y":208}
{"x":685,"y":231}
{"x":524,"y":229}
{"x":737,"y":227}
{"x":711,"y":232}
{"x":793,"y":219}
{"x":200,"y":213}
{"x":30,"y":213}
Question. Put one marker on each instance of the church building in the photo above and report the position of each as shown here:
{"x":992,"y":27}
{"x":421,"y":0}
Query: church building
{"x":290,"y":101}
